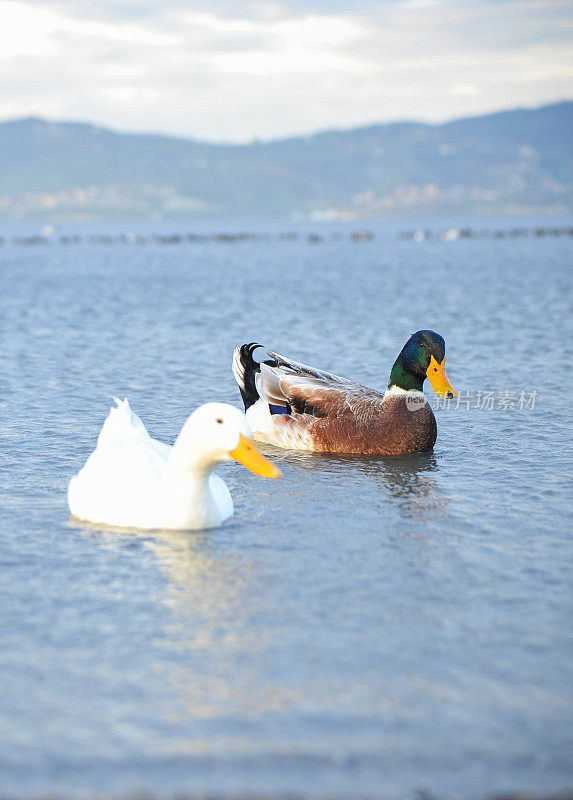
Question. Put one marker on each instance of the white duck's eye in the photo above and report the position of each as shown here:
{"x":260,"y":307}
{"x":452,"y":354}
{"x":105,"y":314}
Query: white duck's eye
{"x":219,"y":421}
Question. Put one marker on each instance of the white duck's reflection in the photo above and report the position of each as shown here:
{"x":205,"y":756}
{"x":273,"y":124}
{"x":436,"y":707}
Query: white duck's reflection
{"x":217,"y":651}
{"x":215,"y":654}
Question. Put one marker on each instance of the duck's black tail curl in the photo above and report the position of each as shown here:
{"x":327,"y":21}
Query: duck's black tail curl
{"x":245,"y":369}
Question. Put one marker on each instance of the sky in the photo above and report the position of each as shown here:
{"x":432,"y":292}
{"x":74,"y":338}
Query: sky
{"x":228,"y":71}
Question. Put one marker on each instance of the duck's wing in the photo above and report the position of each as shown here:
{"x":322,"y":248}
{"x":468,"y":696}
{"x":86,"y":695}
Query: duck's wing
{"x":121,"y":425}
{"x":123,"y":472}
{"x":310,"y":391}
{"x":292,"y":405}
{"x":123,"y":430}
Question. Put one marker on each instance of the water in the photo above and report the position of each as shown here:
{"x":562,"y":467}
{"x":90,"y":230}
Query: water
{"x":377,"y":627}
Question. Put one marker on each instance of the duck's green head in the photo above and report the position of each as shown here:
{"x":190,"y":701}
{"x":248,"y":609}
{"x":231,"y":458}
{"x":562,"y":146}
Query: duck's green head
{"x":423,"y":356}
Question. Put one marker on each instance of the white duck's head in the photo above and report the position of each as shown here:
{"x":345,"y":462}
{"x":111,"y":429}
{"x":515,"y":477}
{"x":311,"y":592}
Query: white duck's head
{"x":219,"y":432}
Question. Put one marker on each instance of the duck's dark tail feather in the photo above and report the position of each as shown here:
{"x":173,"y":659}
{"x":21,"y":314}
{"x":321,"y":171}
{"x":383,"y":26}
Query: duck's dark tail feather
{"x":245,"y":369}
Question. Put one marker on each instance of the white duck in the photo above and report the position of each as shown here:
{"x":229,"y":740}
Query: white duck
{"x":134,"y":481}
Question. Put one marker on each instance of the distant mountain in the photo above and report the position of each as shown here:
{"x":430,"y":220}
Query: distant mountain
{"x":518,"y":161}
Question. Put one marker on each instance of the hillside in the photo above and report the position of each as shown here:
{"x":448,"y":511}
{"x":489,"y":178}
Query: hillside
{"x":515,"y":161}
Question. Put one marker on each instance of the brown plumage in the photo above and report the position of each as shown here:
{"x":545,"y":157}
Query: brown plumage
{"x":369,"y":424}
{"x":321,"y":412}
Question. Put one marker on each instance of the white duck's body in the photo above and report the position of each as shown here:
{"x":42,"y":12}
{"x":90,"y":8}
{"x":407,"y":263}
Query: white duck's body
{"x":134,"y":481}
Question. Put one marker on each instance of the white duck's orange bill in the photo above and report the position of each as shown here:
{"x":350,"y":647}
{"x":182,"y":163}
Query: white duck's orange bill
{"x":436,"y":374}
{"x":247,"y":454}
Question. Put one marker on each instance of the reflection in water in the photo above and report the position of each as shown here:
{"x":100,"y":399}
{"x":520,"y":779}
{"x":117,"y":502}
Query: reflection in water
{"x":209,"y":601}
{"x":214,"y":653}
{"x":404,"y":480}
{"x":216,"y":650}
{"x":408,"y":481}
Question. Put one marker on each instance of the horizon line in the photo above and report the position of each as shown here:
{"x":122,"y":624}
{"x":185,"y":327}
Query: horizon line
{"x":263,"y":141}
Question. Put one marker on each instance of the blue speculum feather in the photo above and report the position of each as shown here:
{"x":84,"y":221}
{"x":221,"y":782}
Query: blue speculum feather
{"x":277,"y":409}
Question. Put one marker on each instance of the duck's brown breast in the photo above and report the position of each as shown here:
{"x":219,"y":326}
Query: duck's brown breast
{"x":377,"y":427}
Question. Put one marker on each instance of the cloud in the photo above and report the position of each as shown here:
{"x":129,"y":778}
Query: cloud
{"x":233,"y":71}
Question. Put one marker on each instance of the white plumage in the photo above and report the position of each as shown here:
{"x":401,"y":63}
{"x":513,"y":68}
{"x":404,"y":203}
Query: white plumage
{"x":132,"y":480}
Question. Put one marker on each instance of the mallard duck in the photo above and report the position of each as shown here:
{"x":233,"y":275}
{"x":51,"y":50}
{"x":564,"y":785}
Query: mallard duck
{"x":291,"y":405}
{"x":134,"y":481}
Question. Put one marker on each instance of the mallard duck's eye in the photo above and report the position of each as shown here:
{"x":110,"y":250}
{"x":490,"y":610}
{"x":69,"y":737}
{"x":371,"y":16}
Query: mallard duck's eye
{"x":219,"y":421}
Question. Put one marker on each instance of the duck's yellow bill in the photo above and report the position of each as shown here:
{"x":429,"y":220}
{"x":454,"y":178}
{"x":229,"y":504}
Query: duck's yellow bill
{"x":436,"y":374}
{"x":248,"y":455}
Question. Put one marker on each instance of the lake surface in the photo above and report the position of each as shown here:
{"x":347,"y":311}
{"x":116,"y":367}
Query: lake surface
{"x":363,"y":627}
